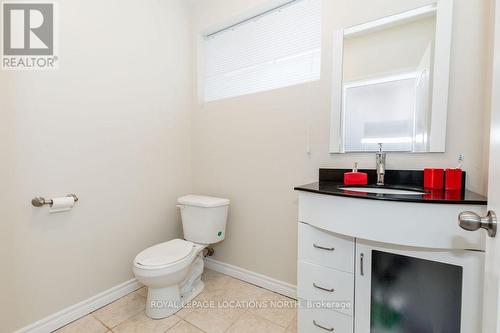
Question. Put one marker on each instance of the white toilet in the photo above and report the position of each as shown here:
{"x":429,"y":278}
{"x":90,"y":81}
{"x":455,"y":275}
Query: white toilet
{"x":172,"y":270}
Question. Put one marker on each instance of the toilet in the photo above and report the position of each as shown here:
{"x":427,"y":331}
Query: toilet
{"x":172,"y":270}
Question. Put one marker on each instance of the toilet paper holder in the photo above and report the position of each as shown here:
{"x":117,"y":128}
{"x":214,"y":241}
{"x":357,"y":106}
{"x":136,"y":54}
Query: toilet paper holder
{"x":41,"y":201}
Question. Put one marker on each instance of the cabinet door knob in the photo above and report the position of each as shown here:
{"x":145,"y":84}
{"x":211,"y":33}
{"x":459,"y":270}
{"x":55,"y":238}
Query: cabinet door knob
{"x":471,"y":221}
{"x":322,"y":288}
{"x":323,"y":248}
{"x":329,"y":329}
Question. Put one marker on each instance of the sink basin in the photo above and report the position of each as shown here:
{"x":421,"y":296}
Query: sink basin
{"x":381,"y":190}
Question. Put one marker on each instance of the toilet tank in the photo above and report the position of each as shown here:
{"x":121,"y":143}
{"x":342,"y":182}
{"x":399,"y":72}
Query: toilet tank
{"x":203,"y":218}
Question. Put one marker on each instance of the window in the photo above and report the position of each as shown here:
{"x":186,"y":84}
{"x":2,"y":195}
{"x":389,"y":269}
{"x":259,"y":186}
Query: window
{"x":279,"y":48}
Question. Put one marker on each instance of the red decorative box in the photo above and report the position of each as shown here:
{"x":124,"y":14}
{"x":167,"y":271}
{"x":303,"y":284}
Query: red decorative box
{"x":453,"y":179}
{"x":355,"y":178}
{"x":433,"y":178}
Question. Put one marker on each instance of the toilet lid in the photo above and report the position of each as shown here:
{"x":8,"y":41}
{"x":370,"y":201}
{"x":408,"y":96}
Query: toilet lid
{"x":165,"y":253}
{"x":202,"y":201}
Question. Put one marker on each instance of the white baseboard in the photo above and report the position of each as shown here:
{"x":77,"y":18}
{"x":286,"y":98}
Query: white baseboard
{"x":257,"y":279}
{"x":74,"y":312}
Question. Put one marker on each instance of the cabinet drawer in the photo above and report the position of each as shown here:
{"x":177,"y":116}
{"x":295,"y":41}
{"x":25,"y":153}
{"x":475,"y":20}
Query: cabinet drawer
{"x":324,"y":248}
{"x":317,"y":283}
{"x":323,"y":321}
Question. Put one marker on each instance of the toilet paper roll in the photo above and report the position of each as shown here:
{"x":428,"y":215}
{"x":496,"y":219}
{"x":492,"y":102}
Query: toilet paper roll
{"x":62,"y":204}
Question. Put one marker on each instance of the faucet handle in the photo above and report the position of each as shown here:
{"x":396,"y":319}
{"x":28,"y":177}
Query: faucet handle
{"x":380,"y":147}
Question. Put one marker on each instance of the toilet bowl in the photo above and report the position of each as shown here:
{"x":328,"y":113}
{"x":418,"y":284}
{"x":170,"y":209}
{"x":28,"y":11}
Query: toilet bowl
{"x":171,"y":275}
{"x":172,"y":270}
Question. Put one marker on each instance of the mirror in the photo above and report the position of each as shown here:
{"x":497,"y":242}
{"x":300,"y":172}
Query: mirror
{"x":391,"y":81}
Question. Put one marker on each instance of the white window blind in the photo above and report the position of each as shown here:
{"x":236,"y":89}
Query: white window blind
{"x":277,"y":49}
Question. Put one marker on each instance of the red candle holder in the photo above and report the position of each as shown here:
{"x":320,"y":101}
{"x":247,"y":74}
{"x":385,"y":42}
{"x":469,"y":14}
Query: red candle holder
{"x":453,"y":180}
{"x":433,"y":178}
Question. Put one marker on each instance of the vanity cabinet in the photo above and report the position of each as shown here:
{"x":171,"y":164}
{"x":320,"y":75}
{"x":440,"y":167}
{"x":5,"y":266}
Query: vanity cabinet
{"x":377,"y":266}
{"x":325,"y":281}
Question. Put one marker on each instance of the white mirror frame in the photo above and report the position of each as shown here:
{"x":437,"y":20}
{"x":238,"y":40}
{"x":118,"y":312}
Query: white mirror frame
{"x":441,"y":74}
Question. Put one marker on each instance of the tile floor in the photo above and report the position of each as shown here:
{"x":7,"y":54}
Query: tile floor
{"x":256,"y":310}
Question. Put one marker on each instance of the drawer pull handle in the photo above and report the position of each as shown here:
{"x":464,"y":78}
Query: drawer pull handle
{"x":329,"y":329}
{"x":362,"y":264}
{"x":322,"y":288}
{"x":323,"y":248}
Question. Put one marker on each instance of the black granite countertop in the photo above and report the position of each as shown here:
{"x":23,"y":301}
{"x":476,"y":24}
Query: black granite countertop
{"x":331,"y":183}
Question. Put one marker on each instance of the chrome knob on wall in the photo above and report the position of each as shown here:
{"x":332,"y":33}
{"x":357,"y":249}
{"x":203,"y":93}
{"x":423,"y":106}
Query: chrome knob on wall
{"x":471,"y":221}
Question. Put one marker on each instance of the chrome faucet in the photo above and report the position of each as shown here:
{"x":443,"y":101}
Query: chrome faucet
{"x":380,"y":165}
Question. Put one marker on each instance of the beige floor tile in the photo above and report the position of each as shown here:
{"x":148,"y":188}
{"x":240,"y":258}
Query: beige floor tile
{"x":121,"y":310}
{"x":213,"y":278}
{"x":182,"y":313}
{"x":293,"y":326}
{"x":184,"y":327}
{"x":231,"y":289}
{"x":86,"y":324}
{"x":143,"y":291}
{"x":209,"y":275}
{"x":279,"y":309}
{"x":224,"y":293}
{"x":251,"y":323}
{"x":223,"y":285}
{"x":142,"y":323}
{"x":212,"y":320}
{"x":242,"y":291}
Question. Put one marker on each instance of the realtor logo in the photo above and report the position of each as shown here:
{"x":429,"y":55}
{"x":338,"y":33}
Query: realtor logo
{"x":28,"y":36}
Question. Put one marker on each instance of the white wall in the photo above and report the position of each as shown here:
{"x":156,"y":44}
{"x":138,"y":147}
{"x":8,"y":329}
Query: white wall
{"x":393,"y":50}
{"x":7,"y":220}
{"x":252,"y":149}
{"x":111,"y":125}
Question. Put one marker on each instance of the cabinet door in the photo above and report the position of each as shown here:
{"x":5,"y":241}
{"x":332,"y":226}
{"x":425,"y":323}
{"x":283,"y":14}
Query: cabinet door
{"x":400,"y":289}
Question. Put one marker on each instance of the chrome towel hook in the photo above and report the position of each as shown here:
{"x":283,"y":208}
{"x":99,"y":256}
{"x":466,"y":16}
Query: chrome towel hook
{"x":41,"y":201}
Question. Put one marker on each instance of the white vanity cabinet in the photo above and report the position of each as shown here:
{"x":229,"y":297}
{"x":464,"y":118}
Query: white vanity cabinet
{"x":378,"y":266}
{"x":325,"y":274}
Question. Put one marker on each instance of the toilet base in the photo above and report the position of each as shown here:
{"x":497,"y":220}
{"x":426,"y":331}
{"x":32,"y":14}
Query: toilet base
{"x":164,"y":302}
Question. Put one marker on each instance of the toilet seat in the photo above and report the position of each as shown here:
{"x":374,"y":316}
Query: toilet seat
{"x":164,"y":254}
